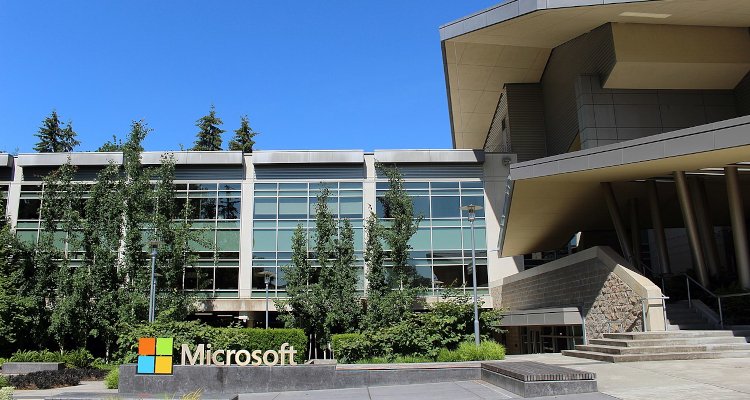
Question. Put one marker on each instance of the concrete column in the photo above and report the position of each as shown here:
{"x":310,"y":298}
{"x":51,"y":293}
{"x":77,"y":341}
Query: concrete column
{"x":246,"y":229}
{"x":739,"y":230}
{"x":614,"y":213}
{"x":705,"y":226}
{"x":658,"y":225}
{"x":635,"y":240}
{"x":688,"y":215}
{"x":14,"y":196}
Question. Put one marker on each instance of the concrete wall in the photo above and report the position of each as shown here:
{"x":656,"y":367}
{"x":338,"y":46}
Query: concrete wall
{"x":521,"y":110}
{"x":594,"y":280}
{"x":607,"y":116}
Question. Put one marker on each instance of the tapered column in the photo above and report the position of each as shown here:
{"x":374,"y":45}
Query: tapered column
{"x":688,"y":215}
{"x":614,"y":213}
{"x":635,"y":240}
{"x":705,"y":226}
{"x":658,"y":225}
{"x":739,"y":230}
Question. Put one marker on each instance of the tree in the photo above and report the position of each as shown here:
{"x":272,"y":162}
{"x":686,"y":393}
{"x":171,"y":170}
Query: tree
{"x":54,"y":138}
{"x":399,"y":210}
{"x":209,"y":134}
{"x":243,"y":137}
{"x":111,"y":145}
{"x":17,"y":306}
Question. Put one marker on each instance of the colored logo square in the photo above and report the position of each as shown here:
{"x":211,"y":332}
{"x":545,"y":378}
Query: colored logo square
{"x":146,"y":364}
{"x":163,"y":365}
{"x":147,"y":346}
{"x":163,"y":347}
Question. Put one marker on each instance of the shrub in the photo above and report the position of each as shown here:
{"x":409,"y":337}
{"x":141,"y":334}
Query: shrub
{"x":194,"y":332}
{"x":36,"y":356}
{"x":2,"y":361}
{"x":4,"y":381}
{"x":112,"y":380}
{"x":468,"y":351}
{"x":6,"y":393}
{"x":80,"y":358}
{"x":53,"y":379}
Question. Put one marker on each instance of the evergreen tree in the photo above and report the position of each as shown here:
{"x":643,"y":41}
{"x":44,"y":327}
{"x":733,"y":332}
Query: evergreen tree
{"x":399,"y":210}
{"x":209,"y":134}
{"x":17,"y":304}
{"x":111,"y":145}
{"x":54,"y":137}
{"x":243,"y":137}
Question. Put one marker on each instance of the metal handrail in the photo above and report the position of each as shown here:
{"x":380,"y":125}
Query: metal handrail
{"x":644,"y":309}
{"x":718,"y":297}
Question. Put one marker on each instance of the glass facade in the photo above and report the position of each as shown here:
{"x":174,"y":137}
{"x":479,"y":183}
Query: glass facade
{"x":280,"y":207}
{"x":441,"y":248}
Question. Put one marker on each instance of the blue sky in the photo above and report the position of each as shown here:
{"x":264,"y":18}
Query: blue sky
{"x":310,"y":75}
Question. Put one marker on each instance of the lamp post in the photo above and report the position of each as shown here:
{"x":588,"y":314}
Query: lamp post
{"x":472,"y":209}
{"x":152,"y":296}
{"x":267,"y":276}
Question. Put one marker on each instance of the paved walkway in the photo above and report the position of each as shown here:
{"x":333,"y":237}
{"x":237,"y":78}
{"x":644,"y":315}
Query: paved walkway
{"x":722,"y":379}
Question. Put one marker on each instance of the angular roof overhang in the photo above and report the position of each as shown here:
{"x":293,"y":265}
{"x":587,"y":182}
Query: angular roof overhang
{"x":552,"y":198}
{"x":511,"y":43}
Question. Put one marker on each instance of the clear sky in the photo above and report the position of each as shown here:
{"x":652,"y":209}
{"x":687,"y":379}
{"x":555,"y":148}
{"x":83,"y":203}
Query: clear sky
{"x":309,"y":74}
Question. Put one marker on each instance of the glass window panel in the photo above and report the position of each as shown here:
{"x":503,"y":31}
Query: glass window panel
{"x":423,"y":277}
{"x":444,"y":185}
{"x":230,"y":186}
{"x":359,"y":238}
{"x":475,"y":200}
{"x":202,"y":186}
{"x":293,"y":207}
{"x":265,"y":186}
{"x":450,"y":276}
{"x":446,"y":222}
{"x":191,"y":279}
{"x":421,"y":239}
{"x":227,"y":278}
{"x":208,"y":208}
{"x":292,"y":224}
{"x":26,"y":236}
{"x":416,"y":185}
{"x":472,"y":185}
{"x":29,"y":209}
{"x":264,"y":224}
{"x":58,"y":240}
{"x":421,"y":206}
{"x":472,"y":192}
{"x":446,"y":207}
{"x":31,"y":225}
{"x":263,"y":255}
{"x":230,"y":194}
{"x":350,"y":185}
{"x":203,"y":225}
{"x":380,"y":211}
{"x":228,"y":240}
{"x":265,"y":263}
{"x":292,"y":186}
{"x":446,"y":238}
{"x":285,"y":239}
{"x":259,"y":280}
{"x":228,"y":224}
{"x":481,"y":276}
{"x":264,"y":240}
{"x":479,"y":236}
{"x":351,"y":207}
{"x":265,"y":208}
{"x":204,"y":240}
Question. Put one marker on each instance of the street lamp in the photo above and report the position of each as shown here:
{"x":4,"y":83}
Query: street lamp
{"x":152,"y":296}
{"x":472,"y":209}
{"x":267,"y":276}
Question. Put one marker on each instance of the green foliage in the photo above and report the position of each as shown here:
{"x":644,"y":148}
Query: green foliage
{"x":194,"y":332}
{"x":399,"y":211}
{"x":53,"y":137}
{"x":4,"y":382}
{"x":111,"y":145}
{"x":469,"y":351}
{"x":6,"y":392}
{"x":209,"y":133}
{"x":80,"y":358}
{"x":444,"y":325}
{"x":323,"y":301}
{"x":243,"y":137}
{"x":394,"y":360}
{"x":53,"y":379}
{"x":18,"y":307}
{"x":112,"y":380}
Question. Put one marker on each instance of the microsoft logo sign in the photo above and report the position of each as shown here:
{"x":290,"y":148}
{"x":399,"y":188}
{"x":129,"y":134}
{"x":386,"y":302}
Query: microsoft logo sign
{"x":154,"y":356}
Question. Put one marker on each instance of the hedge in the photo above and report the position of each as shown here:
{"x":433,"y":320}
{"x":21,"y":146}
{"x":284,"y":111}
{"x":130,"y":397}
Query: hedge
{"x":53,"y":379}
{"x":80,"y":358}
{"x":193,"y":333}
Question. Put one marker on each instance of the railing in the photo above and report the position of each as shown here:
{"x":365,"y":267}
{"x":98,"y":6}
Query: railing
{"x":645,"y":307}
{"x":717,"y":297}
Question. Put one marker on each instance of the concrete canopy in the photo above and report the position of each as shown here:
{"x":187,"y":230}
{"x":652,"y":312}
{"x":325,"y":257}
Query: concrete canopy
{"x":552,"y":198}
{"x":511,"y":42}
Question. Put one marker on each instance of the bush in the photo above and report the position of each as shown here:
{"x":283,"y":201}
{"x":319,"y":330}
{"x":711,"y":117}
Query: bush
{"x":112,"y":380}
{"x":468,"y":351}
{"x":80,"y":358}
{"x":2,"y":361}
{"x":4,"y":381}
{"x":194,"y":332}
{"x":6,"y":393}
{"x":54,"y":379}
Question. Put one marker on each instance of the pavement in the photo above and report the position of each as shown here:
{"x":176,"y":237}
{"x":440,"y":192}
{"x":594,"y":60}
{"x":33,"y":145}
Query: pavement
{"x":720,"y":379}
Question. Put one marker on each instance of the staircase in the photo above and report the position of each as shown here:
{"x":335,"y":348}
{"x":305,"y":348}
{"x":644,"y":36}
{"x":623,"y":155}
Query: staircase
{"x":681,"y":317}
{"x":669,"y":345}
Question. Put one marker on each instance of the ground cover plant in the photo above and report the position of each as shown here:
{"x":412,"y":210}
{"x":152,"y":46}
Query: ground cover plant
{"x":53,"y":379}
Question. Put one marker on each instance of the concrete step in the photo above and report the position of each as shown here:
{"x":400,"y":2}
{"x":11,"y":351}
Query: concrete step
{"x":668,"y":342}
{"x":668,"y":334}
{"x":689,"y":326}
{"x":664,"y":349}
{"x":655,"y":356}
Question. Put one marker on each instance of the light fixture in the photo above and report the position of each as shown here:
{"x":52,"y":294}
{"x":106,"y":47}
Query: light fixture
{"x":644,"y":15}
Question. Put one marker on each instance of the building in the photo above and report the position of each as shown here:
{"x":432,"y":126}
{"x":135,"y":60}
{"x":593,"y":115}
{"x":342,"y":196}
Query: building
{"x":248,"y":206}
{"x":630,"y":124}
